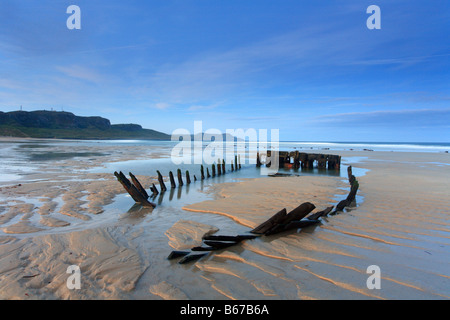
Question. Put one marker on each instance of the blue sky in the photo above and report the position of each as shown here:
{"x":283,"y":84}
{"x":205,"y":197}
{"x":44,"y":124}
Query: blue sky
{"x":311,"y":69}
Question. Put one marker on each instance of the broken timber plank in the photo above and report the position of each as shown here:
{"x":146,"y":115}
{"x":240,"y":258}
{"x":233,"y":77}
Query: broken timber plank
{"x":138,"y":185}
{"x":273,"y":221}
{"x":229,"y":238}
{"x":291,"y":225}
{"x":192,"y":257}
{"x":219,"y":244}
{"x":297,"y":214}
{"x":319,"y":214}
{"x":177,"y":254}
{"x":133,"y":191}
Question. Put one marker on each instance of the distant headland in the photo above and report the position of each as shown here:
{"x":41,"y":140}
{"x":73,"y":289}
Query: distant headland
{"x":66,"y":125}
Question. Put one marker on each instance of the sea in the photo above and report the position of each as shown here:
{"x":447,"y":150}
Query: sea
{"x":21,"y":157}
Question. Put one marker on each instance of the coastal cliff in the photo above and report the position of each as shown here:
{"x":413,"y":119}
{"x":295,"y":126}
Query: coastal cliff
{"x":66,"y":125}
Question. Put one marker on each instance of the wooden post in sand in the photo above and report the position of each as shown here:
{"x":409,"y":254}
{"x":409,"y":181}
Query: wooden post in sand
{"x":207,"y":173}
{"x":223,"y":166}
{"x":161,"y":182}
{"x":188,"y":177}
{"x":219,"y":167}
{"x":133,"y":191}
{"x":172,"y":180}
{"x":138,"y":185}
{"x":322,"y":161}
{"x":297,"y":160}
{"x":258,"y":160}
{"x":154,"y":190}
{"x":352,"y":194}
{"x":239,"y":159}
{"x":180,"y":178}
{"x":213,"y":169}
{"x":232,"y":167}
{"x":202,"y":172}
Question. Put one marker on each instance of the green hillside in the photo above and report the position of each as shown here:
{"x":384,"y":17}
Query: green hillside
{"x":66,"y":125}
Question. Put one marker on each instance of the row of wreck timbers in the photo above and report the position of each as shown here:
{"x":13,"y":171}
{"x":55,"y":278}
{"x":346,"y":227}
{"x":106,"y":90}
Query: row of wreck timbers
{"x":300,"y":217}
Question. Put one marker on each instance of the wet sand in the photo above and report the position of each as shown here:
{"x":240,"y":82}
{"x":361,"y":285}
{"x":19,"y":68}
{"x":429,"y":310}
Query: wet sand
{"x":63,"y":217}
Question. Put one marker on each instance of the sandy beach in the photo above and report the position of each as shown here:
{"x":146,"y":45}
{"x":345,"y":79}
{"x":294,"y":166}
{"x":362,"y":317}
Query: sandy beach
{"x":64,"y":215}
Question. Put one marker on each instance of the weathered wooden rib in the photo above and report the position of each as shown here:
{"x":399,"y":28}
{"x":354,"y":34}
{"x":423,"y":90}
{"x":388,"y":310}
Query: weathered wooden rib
{"x":299,"y":213}
{"x":295,"y":215}
{"x":291,"y":225}
{"x":192,"y":257}
{"x":172,"y":180}
{"x":230,"y":238}
{"x":188,"y":177}
{"x":219,"y":167}
{"x":354,"y":189}
{"x":202,"y":172}
{"x":180,"y":178}
{"x":161,"y":182}
{"x":200,"y":248}
{"x":319,"y":214}
{"x":349,"y":173}
{"x":138,"y":185}
{"x":207,"y":173}
{"x":217,"y":245}
{"x":352,"y":194}
{"x":223,"y":166}
{"x":269,"y":224}
{"x":154,"y":190}
{"x":300,"y":224}
{"x":177,"y":254}
{"x":133,"y":191}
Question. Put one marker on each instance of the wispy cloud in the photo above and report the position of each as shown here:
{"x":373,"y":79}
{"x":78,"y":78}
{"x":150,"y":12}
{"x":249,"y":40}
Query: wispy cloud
{"x":82,"y":73}
{"x":400,"y":118}
{"x":162,"y":105}
{"x":203,"y":107}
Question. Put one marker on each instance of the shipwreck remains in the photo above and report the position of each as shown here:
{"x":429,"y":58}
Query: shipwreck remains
{"x":282,"y":221}
{"x":300,"y":217}
{"x":296,"y":160}
{"x":140,"y":195}
{"x":133,"y":189}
